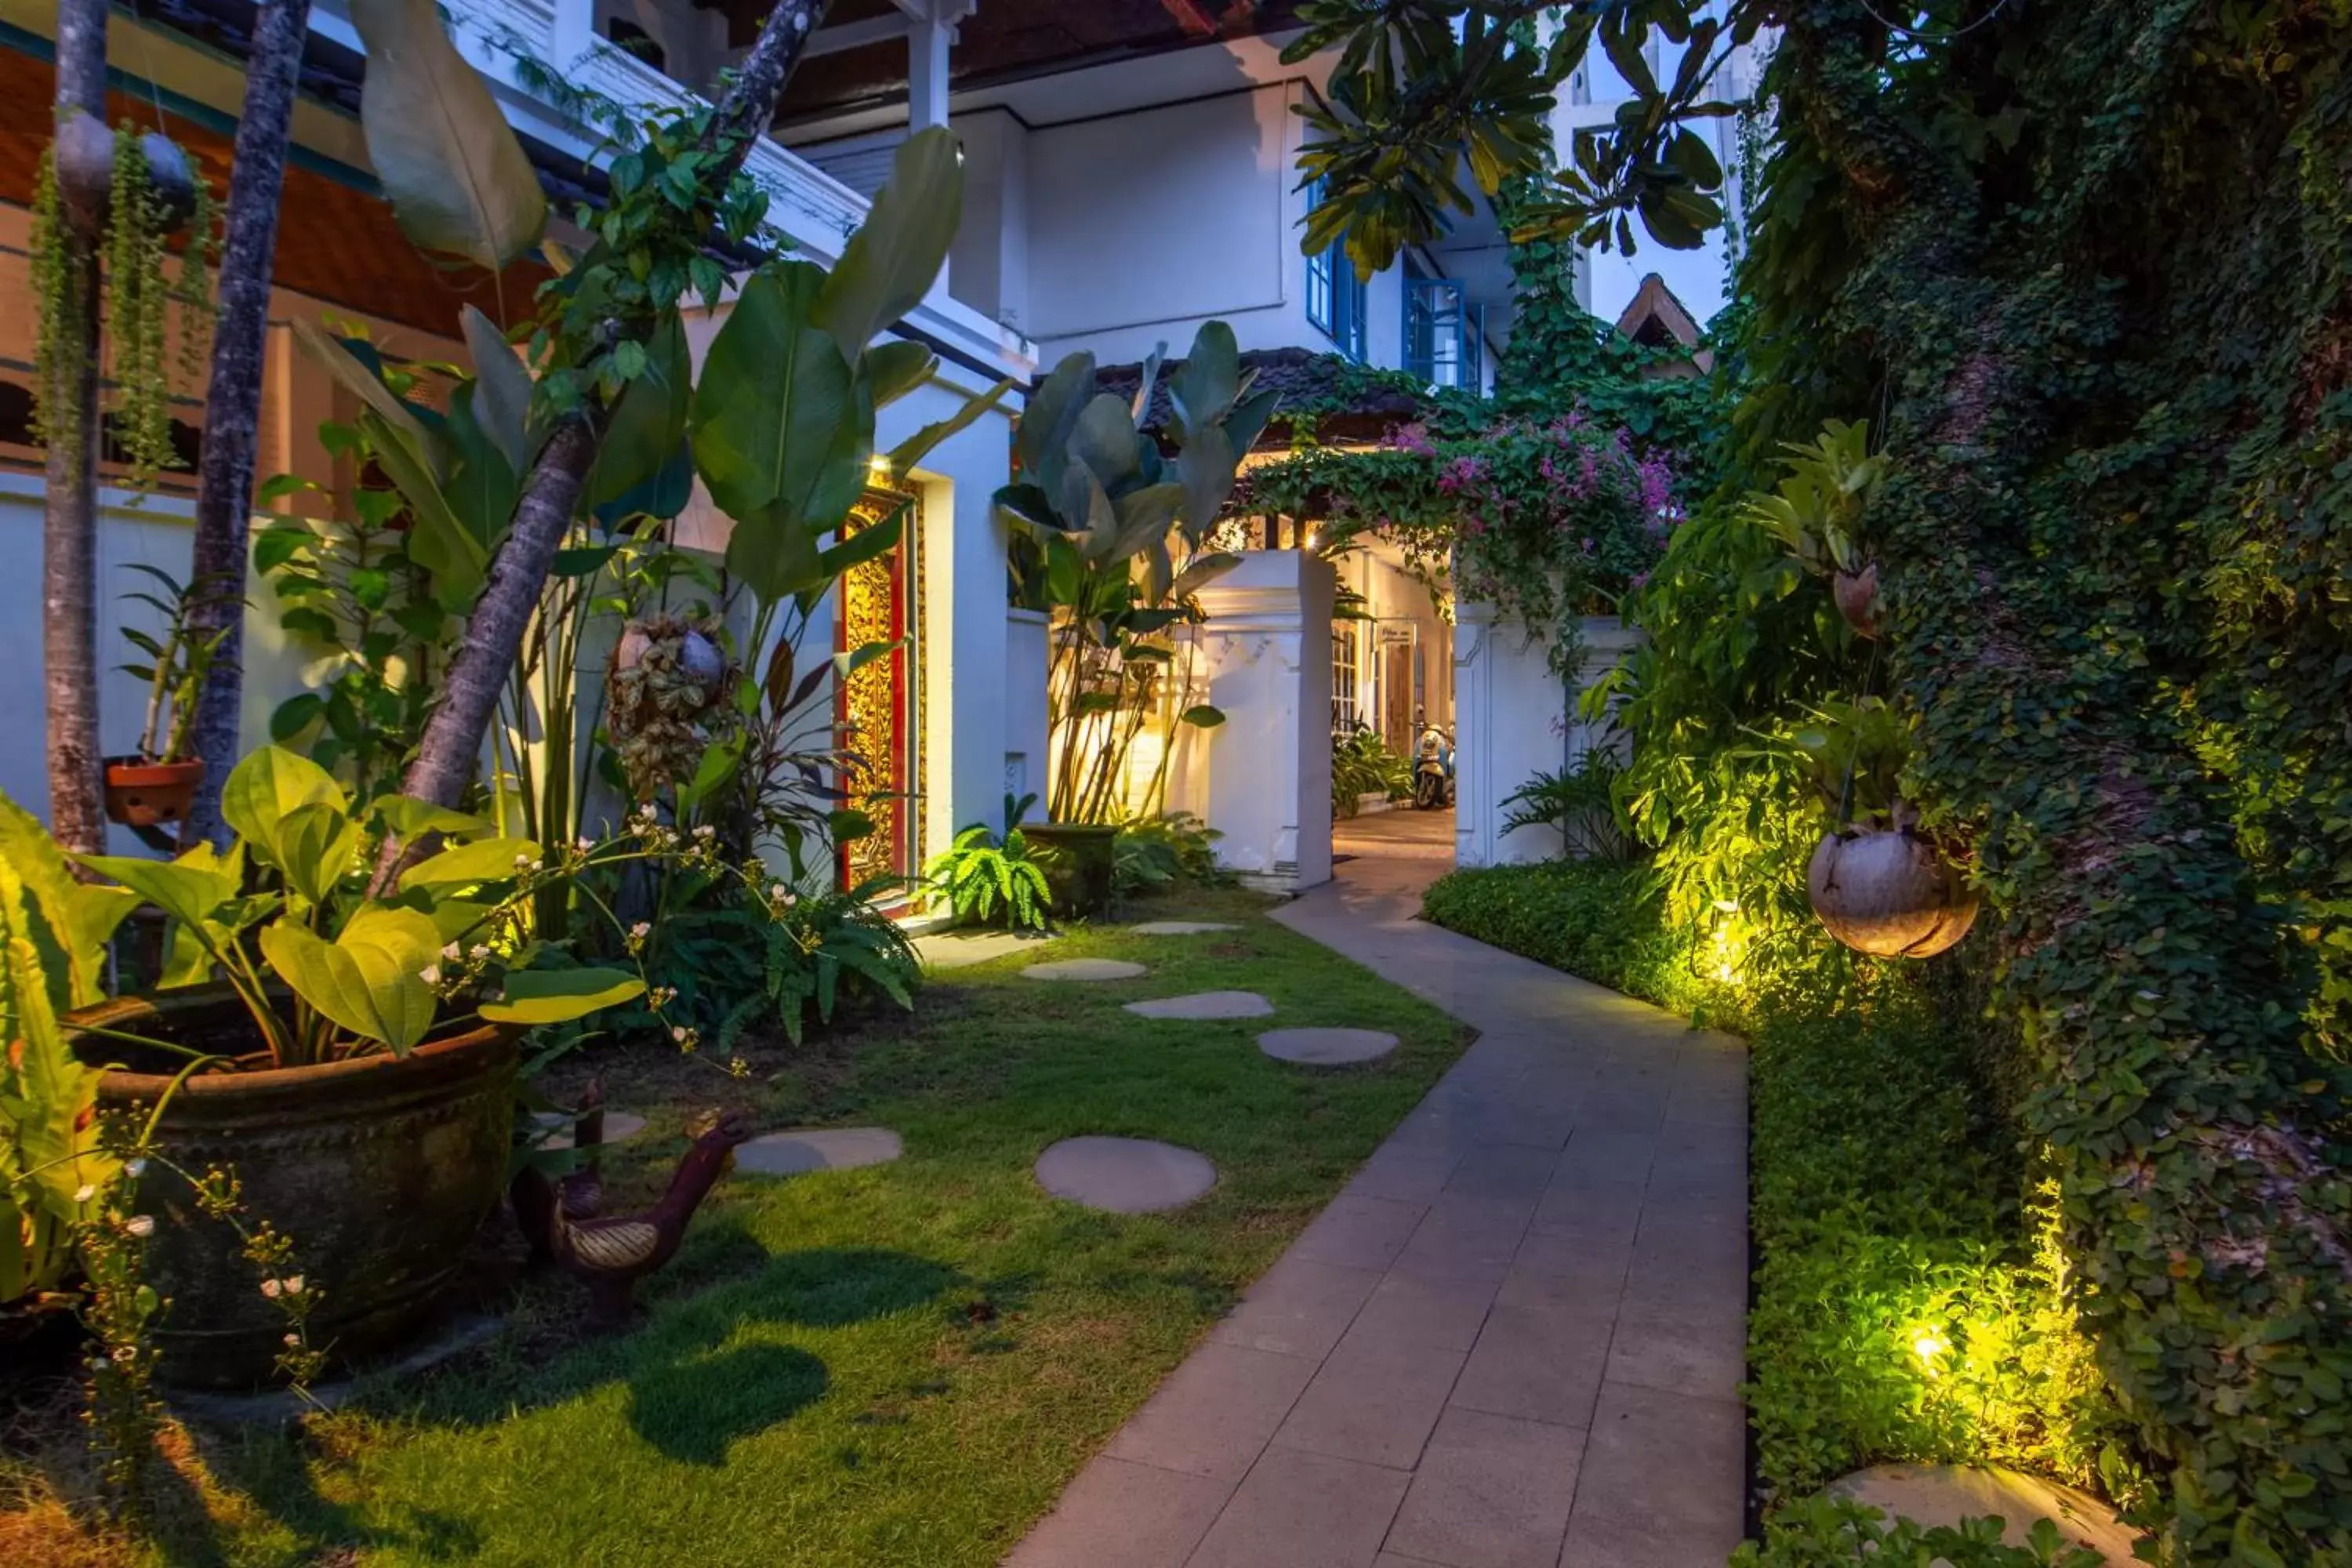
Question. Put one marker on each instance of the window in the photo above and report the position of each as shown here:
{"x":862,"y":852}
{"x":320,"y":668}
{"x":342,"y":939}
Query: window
{"x":1344,"y":712}
{"x":1334,"y":296}
{"x":1444,"y":335}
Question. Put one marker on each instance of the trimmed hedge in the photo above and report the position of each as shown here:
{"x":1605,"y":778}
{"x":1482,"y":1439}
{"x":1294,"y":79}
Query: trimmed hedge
{"x":1908,"y":1306}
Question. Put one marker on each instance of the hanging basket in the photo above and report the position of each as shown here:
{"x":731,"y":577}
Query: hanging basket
{"x":85,"y":164}
{"x":143,"y":794}
{"x":1857,"y":598}
{"x":1889,"y":892}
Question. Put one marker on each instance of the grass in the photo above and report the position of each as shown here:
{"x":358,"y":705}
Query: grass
{"x":901,"y":1364}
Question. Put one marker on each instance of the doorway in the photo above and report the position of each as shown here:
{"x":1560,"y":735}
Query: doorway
{"x":877,"y":708}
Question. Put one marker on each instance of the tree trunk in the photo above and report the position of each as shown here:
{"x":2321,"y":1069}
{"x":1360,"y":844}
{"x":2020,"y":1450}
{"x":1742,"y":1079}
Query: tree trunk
{"x":232,"y":397}
{"x":70,"y":519}
{"x":451,"y":749}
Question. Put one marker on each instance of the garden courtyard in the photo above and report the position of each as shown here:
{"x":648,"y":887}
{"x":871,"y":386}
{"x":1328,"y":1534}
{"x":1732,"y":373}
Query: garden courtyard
{"x":1456,"y":1304}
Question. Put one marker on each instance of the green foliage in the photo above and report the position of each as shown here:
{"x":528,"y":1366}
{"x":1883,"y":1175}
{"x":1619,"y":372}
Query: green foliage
{"x":1110,"y":539}
{"x":981,"y":876}
{"x":364,"y":973}
{"x":1153,"y":854}
{"x":1581,"y":803}
{"x":1362,"y":765}
{"x":1829,"y":1532}
{"x":1600,"y":921}
{"x":1549,"y":522}
{"x":177,"y":657}
{"x":1818,"y":512}
{"x":1901,"y":1313}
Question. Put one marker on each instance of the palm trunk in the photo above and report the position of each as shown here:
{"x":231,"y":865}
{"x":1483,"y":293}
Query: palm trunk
{"x":453,"y":740}
{"x":232,"y":397}
{"x":69,"y":516}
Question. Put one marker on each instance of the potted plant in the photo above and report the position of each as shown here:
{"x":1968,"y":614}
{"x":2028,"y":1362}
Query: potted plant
{"x":1877,"y":881}
{"x":156,"y":784}
{"x":1111,"y":540}
{"x":1817,"y":513}
{"x":349,"y":1057}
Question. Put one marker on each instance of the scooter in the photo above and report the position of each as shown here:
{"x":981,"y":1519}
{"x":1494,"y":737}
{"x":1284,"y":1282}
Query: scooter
{"x":1432,"y":769}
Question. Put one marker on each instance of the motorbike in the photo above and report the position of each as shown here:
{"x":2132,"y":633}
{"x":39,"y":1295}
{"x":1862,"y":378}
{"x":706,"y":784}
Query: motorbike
{"x":1432,"y":769}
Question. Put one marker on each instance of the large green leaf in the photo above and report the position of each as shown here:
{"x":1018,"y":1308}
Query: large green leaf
{"x":897,"y":367}
{"x":264,"y":789}
{"x":457,"y":176}
{"x":890,"y":262}
{"x":367,"y":979}
{"x":1205,"y":385}
{"x":501,"y":389}
{"x":406,"y":817}
{"x":319,"y":844}
{"x":650,"y":421}
{"x":783,"y":427}
{"x":79,"y":916}
{"x":559,"y":995}
{"x":1105,"y":440}
{"x":1041,"y":443}
{"x":440,"y":543}
{"x":190,"y":889}
{"x":466,"y":865}
{"x":45,"y":1091}
{"x":356,"y":377}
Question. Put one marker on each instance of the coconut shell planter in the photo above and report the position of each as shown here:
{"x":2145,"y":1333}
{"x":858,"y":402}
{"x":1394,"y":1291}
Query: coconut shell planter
{"x":140,"y":793}
{"x":1889,"y":892}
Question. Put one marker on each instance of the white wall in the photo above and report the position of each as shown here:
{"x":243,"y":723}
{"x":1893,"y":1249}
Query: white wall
{"x":1516,"y":718}
{"x":1265,"y":658}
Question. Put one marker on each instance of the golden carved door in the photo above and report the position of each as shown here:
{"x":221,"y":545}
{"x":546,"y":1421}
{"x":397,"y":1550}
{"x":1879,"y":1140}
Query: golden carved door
{"x":879,"y":706}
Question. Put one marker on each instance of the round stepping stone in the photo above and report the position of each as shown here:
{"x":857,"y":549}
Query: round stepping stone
{"x":1085,"y":969}
{"x":818,"y":1149}
{"x":620,"y":1126}
{"x":1124,"y":1176}
{"x":1325,"y":1047}
{"x":1206,"y":1004}
{"x":1182,"y":928}
{"x":1945,"y":1494}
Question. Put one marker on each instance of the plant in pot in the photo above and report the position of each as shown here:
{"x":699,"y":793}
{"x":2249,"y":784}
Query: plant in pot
{"x":1817,"y":513}
{"x":156,"y":784}
{"x":1877,"y":881}
{"x":352,"y":1057}
{"x":1114,"y":547}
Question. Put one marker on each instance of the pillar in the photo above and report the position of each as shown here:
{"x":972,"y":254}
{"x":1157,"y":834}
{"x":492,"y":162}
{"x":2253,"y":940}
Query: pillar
{"x":1266,"y":646}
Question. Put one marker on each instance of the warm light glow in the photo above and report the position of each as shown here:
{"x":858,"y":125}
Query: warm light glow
{"x":1930,"y":1346}
{"x":1726,"y":958}
{"x":879,"y":466}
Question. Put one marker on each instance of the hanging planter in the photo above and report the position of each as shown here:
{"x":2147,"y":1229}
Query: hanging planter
{"x":1889,"y":892}
{"x":145,"y":793}
{"x":668,"y":679}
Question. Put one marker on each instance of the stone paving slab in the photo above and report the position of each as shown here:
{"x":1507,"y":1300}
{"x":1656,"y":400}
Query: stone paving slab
{"x":1204,"y":1005}
{"x":1325,"y":1047}
{"x":1513,"y":1340}
{"x":1125,"y":1175}
{"x":804,"y":1149}
{"x":963,"y":949}
{"x":1085,"y":969}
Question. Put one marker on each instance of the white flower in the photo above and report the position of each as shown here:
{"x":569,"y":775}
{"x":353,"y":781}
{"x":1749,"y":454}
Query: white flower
{"x":293,"y":1341}
{"x":135,"y":1167}
{"x":270,"y":1287}
{"x":780,"y":891}
{"x":705,"y":831}
{"x":642,"y":929}
{"x":583,"y":844}
{"x":480,"y":953}
{"x":84,"y":1193}
{"x":522,"y":862}
{"x":293,"y":1284}
{"x":430,"y":974}
{"x":791,"y":899}
{"x":678,"y":1032}
{"x":142,"y":1225}
{"x":453,"y":953}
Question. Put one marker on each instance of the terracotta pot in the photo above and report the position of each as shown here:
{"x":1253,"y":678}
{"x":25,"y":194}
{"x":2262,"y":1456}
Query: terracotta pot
{"x":1857,"y":598}
{"x":1889,"y":893}
{"x":378,"y":1170}
{"x":140,"y":793}
{"x":1079,"y":865}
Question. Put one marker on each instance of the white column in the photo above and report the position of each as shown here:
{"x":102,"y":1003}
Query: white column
{"x":927,"y":73}
{"x":575,"y":30}
{"x":1267,"y":651}
{"x":1514,"y":718}
{"x":1027,"y":654}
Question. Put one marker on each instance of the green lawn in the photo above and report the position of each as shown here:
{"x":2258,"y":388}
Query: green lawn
{"x":902,"y":1364}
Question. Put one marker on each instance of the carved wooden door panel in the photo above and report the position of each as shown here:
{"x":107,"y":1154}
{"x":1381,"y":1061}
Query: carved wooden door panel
{"x":879,"y":707}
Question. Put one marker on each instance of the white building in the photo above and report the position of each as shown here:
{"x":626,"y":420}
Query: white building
{"x":1130,"y":173}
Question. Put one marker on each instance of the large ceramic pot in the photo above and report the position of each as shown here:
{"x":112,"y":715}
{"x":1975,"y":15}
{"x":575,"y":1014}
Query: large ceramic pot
{"x":378,"y":1170}
{"x":1890,"y":893}
{"x":1079,"y":864}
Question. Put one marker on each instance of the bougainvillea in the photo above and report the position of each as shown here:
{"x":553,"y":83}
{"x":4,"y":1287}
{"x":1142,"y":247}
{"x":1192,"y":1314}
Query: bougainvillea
{"x":1548,"y":521}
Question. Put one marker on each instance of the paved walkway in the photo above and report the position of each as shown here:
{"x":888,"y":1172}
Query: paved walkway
{"x":1514,"y":1340}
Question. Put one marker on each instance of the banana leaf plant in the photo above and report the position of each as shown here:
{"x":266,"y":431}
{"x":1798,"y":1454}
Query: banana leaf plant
{"x":1111,"y":539}
{"x":328,"y":970}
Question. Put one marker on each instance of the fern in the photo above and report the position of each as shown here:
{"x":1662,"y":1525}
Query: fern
{"x":978,"y":874}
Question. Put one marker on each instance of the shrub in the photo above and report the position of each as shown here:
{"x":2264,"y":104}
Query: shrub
{"x":1362,"y":765}
{"x":980,"y":877}
{"x":1154,"y":853}
{"x":1580,"y":801}
{"x":1823,"y":1532}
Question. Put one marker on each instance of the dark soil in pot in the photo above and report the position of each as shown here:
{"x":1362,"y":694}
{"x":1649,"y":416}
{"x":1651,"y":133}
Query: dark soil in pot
{"x":378,"y":1170}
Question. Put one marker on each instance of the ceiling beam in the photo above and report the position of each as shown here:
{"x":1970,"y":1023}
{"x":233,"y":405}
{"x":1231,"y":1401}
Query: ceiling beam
{"x":834,"y":40}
